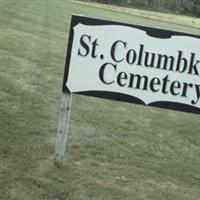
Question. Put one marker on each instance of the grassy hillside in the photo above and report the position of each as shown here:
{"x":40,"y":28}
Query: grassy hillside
{"x":165,"y":17}
{"x":115,"y":150}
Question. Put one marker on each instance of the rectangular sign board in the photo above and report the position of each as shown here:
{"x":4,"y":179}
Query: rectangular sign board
{"x":133,"y":63}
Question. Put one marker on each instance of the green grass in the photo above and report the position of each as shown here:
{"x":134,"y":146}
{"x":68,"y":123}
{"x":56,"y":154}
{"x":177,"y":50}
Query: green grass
{"x":163,"y":17}
{"x":115,"y":150}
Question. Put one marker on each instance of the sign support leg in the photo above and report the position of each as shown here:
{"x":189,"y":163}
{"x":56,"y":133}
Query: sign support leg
{"x":62,"y":131}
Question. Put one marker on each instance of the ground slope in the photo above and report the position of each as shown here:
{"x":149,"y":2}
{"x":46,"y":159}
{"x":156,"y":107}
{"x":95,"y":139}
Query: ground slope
{"x":115,"y":150}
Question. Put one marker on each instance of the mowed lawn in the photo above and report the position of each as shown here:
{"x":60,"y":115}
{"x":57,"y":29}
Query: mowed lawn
{"x":115,"y":151}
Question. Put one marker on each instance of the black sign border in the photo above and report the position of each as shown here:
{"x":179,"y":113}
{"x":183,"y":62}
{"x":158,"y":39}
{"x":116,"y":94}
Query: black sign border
{"x":154,"y":32}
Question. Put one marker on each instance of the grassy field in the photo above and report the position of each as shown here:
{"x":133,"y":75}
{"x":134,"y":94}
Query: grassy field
{"x":115,"y":151}
{"x":165,"y":17}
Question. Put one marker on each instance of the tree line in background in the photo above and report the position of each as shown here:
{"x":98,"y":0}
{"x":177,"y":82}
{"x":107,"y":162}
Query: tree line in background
{"x":187,"y":7}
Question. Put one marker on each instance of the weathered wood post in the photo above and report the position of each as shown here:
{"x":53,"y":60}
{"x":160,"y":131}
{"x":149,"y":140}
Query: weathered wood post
{"x":63,"y":126}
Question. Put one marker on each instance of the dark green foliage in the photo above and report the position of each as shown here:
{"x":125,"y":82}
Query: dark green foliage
{"x":189,"y":7}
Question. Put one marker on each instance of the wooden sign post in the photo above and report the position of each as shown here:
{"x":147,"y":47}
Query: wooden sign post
{"x":63,"y":126}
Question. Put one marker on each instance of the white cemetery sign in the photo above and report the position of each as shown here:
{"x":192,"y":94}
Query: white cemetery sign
{"x":132,"y":63}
